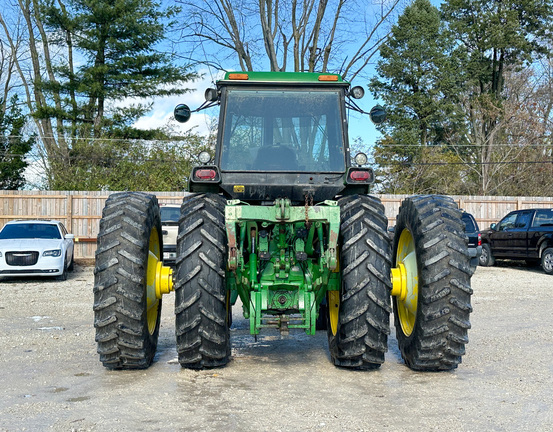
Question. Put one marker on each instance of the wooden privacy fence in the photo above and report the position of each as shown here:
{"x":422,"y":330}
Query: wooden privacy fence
{"x":81,"y":211}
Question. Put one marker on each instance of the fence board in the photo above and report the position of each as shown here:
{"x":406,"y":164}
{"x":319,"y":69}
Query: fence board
{"x":81,"y":211}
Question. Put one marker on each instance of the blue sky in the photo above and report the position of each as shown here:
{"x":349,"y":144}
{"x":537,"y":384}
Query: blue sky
{"x":359,"y":125}
{"x":162,"y":112}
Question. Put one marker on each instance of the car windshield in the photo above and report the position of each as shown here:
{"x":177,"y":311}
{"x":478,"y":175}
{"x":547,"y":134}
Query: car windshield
{"x":283,"y":130}
{"x":170,"y":214}
{"x":30,"y":231}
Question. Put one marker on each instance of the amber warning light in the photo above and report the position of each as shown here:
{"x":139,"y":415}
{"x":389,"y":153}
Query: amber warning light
{"x":238,"y":76}
{"x":328,"y":77}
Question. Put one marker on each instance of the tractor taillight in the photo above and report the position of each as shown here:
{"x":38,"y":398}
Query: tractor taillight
{"x":205,"y":174}
{"x":360,"y":176}
{"x":479,"y":239}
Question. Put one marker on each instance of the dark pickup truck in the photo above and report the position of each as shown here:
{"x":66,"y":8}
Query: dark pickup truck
{"x":521,"y":235}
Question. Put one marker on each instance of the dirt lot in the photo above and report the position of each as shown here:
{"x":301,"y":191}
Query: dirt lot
{"x":52,"y":379}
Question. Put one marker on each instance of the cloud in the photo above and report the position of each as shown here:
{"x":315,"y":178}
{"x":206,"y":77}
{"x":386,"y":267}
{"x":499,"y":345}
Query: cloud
{"x":161,"y":114}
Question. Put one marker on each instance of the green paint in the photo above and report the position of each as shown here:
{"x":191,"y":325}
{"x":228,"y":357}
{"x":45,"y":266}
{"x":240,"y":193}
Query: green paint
{"x":279,"y":265}
{"x":287,"y":77}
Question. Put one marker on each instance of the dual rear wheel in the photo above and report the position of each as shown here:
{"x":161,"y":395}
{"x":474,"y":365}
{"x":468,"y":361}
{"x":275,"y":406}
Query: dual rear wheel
{"x":430,"y":284}
{"x":430,"y":268}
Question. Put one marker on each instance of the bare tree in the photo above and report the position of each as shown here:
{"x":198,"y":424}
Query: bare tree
{"x":298,"y":35}
{"x":31,"y":67}
{"x":505,"y":158}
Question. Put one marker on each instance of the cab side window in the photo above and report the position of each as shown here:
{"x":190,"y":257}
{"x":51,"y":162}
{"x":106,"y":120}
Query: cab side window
{"x":508,"y":222}
{"x":543,"y":218}
{"x":523,"y":219}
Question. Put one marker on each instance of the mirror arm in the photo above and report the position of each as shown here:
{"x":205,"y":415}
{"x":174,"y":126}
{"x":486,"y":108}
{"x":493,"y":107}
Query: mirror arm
{"x":350,"y":104}
{"x":205,"y":105}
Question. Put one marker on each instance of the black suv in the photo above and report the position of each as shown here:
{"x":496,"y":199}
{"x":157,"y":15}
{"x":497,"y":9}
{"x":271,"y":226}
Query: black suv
{"x":475,"y":239}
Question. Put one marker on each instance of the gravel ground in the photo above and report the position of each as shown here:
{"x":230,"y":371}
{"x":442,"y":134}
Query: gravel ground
{"x":54,"y":381}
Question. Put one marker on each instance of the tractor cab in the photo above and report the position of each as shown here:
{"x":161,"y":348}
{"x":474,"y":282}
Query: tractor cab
{"x":280,"y":135}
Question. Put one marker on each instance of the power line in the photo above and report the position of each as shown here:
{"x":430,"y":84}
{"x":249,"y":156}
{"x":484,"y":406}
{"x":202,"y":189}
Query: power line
{"x":106,"y":159}
{"x":513,"y":162}
{"x":178,"y":140}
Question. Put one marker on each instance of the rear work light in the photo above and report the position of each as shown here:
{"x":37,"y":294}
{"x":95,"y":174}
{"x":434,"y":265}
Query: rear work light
{"x":205,"y":174}
{"x":360,"y":176}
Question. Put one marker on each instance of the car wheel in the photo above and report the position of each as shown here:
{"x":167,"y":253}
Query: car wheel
{"x":486,"y":258}
{"x":63,"y":275}
{"x":547,"y":260}
{"x":71,"y":263}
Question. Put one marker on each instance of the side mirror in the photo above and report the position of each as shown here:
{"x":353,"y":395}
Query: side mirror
{"x":377,"y":114}
{"x":182,"y":113}
{"x":493,"y":226}
{"x":70,"y":236}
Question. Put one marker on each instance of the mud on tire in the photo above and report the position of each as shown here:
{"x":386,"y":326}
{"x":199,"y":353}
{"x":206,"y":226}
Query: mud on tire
{"x":361,"y":338}
{"x":437,"y":341}
{"x":201,"y":301}
{"x":126,"y":333}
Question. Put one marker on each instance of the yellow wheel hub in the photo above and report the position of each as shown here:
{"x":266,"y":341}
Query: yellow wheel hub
{"x":333,"y":310}
{"x":405,"y":282}
{"x":159,"y":280}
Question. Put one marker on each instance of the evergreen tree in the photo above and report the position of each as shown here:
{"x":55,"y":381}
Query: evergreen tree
{"x":13,"y":146}
{"x":111,"y":57}
{"x":419,"y":80}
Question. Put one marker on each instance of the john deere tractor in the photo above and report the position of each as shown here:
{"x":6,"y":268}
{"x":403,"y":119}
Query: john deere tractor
{"x":280,"y":218}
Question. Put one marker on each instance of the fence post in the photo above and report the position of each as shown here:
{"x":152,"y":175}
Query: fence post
{"x":69,"y":216}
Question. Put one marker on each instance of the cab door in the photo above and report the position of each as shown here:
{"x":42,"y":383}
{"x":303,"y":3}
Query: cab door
{"x":519,"y":234}
{"x":511,"y":238}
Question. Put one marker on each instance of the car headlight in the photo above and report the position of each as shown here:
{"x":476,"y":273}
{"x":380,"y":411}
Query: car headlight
{"x":52,"y":253}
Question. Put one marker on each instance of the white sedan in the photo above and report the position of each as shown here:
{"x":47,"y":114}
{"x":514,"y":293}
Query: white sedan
{"x":36,"y":248}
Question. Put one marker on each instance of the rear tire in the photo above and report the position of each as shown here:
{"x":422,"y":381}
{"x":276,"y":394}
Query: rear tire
{"x":547,"y":261}
{"x":361,"y":337}
{"x":486,"y":258}
{"x":433,"y":337}
{"x":129,"y":244}
{"x":201,"y":302}
{"x":322,"y":319}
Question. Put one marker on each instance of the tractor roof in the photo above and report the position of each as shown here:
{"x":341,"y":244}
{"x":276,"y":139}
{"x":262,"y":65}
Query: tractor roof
{"x":283,"y":78}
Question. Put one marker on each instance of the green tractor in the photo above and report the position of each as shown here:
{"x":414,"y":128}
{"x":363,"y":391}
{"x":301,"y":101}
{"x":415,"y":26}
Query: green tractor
{"x":280,"y":217}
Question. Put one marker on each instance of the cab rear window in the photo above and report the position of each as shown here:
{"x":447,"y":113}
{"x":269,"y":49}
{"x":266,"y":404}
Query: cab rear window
{"x":469,"y":223}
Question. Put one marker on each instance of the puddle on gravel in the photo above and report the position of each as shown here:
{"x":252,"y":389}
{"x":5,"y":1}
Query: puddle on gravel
{"x":78,"y":399}
{"x":38,"y":318}
{"x":59,"y":389}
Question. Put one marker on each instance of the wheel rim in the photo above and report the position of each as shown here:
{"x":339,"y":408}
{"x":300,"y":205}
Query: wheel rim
{"x":548,"y":261}
{"x":484,"y":255}
{"x":152,"y":302}
{"x":333,"y":310}
{"x":405,"y":279}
